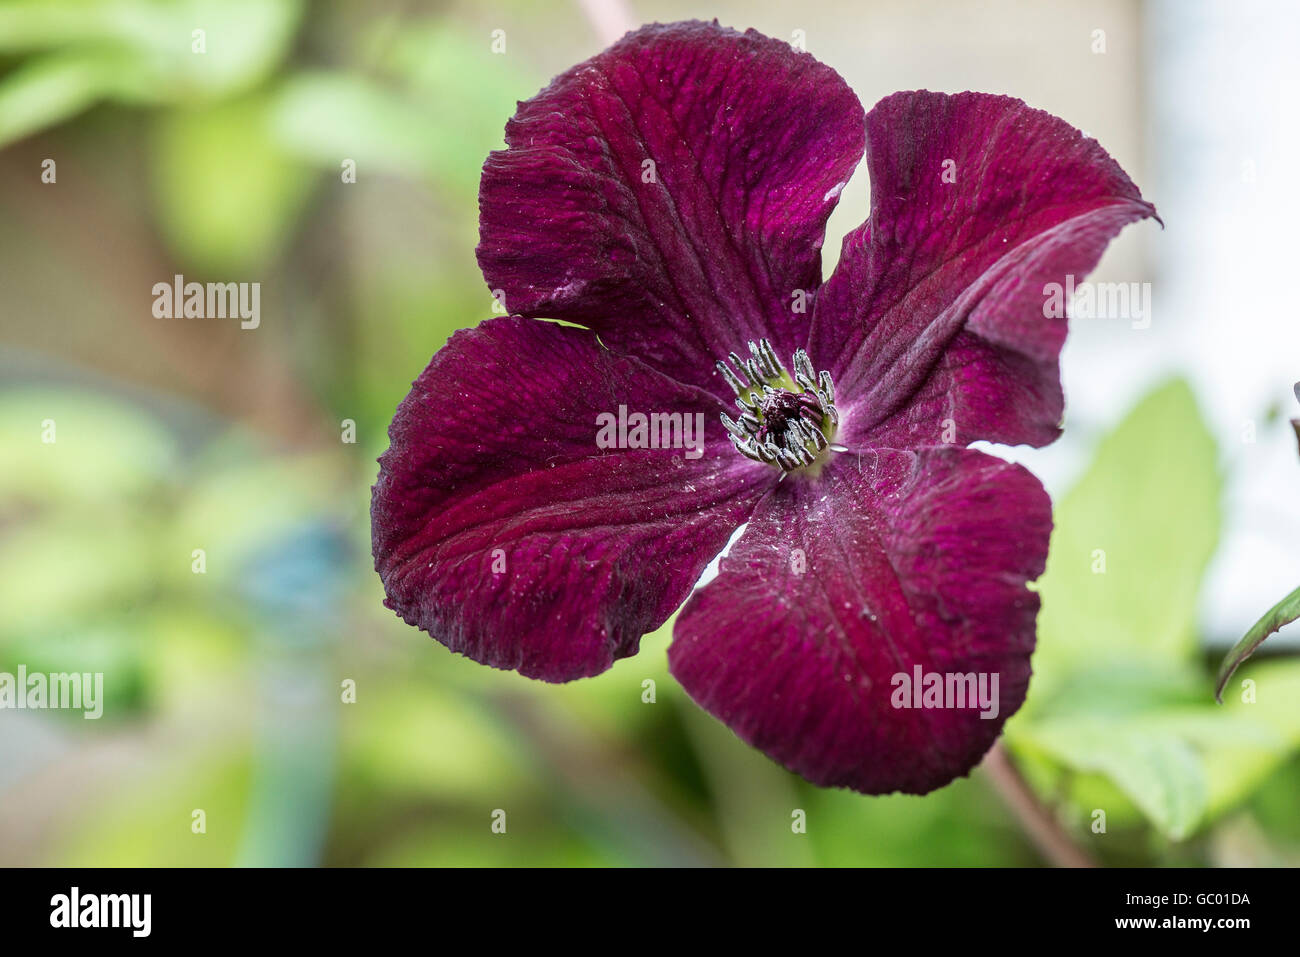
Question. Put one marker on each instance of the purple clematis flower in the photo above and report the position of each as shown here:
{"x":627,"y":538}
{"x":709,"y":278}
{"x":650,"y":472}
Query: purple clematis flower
{"x":668,"y":198}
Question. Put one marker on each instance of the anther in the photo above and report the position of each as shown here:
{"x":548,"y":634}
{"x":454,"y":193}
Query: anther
{"x":730,"y":376}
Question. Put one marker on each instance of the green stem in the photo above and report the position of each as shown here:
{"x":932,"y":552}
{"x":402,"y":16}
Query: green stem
{"x":1038,"y":823}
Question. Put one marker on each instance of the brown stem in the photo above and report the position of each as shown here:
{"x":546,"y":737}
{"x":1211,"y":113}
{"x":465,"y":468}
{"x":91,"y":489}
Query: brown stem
{"x":1038,"y":822}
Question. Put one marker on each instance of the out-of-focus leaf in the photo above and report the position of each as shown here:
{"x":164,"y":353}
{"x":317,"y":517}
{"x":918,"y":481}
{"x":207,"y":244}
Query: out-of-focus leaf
{"x":102,"y":451}
{"x":1155,"y":757}
{"x":1236,"y":769}
{"x":1131,"y":543}
{"x":465,"y":840}
{"x":112,"y":648}
{"x":755,"y":798}
{"x":50,"y":89}
{"x":1123,"y":687}
{"x":470,"y":119}
{"x":961,"y":825}
{"x":194,"y":657}
{"x":412,"y":320}
{"x":227,"y":195}
{"x":1273,"y":807}
{"x":1117,"y":691}
{"x":140,"y":25}
{"x":241,"y":39}
{"x":417,"y":740}
{"x":72,"y":567}
{"x":135,"y":51}
{"x":329,"y":117}
{"x":427,"y":121}
{"x":622,"y":700}
{"x":1283,"y":613}
{"x":147,"y":821}
{"x":1180,"y":764}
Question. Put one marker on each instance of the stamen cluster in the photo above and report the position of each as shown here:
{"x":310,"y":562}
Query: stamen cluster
{"x":784,"y":420}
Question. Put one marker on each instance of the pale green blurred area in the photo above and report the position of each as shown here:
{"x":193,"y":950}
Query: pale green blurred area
{"x":224,"y":690}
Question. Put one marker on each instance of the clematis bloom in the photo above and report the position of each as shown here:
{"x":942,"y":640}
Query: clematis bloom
{"x":667,"y":200}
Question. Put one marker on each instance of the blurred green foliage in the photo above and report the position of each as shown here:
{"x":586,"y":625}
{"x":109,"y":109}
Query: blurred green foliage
{"x":225,"y":677}
{"x":79,"y":52}
{"x":1120,"y":715}
{"x":1283,"y":613}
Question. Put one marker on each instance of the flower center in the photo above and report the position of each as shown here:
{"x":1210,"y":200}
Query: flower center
{"x":784,"y":420}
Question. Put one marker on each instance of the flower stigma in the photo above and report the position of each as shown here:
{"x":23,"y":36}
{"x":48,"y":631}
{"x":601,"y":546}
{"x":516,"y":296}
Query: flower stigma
{"x":785,"y":420}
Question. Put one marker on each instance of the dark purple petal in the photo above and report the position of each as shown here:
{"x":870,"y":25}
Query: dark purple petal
{"x":680,"y":262}
{"x":936,"y":309}
{"x":918,"y":559}
{"x":502,"y":529}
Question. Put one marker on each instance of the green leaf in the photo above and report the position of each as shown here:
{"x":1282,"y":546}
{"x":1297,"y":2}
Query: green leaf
{"x":142,"y":816}
{"x":1117,"y":685}
{"x":1117,"y":706}
{"x":326,"y":118}
{"x":102,"y":643}
{"x":1154,"y":766}
{"x":72,"y":566}
{"x":1159,"y":758}
{"x":50,"y":89}
{"x":1180,"y":765}
{"x":72,"y":447}
{"x":470,"y":118}
{"x":961,"y":825}
{"x":227,"y":194}
{"x":134,"y":51}
{"x":1132,"y":541}
{"x":419,"y":117}
{"x":1283,"y":613}
{"x":1237,"y":768}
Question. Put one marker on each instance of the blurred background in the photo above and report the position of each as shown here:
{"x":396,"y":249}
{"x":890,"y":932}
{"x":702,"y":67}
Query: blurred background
{"x":184,"y":503}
